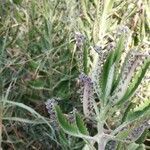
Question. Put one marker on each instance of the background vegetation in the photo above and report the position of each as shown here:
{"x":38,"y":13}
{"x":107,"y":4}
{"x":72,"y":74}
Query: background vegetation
{"x":40,"y":59}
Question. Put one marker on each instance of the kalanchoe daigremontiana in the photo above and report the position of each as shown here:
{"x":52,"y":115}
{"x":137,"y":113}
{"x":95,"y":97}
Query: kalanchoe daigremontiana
{"x":88,"y":95}
{"x":114,"y":83}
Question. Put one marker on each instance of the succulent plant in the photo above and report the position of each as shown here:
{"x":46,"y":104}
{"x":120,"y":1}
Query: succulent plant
{"x":115,"y":85}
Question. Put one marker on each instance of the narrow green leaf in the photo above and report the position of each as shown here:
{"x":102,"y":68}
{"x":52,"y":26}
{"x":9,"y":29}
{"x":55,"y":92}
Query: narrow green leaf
{"x":63,"y":138}
{"x":106,"y":69}
{"x":119,"y":48}
{"x":118,"y":78}
{"x":109,"y":81}
{"x":126,"y":112}
{"x":138,"y":114}
{"x":122,"y":135}
{"x":118,"y":52}
{"x":80,"y":124}
{"x":65,"y":125}
{"x":109,"y":68}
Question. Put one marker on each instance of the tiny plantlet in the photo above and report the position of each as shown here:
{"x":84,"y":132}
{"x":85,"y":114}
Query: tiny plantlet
{"x":107,"y":92}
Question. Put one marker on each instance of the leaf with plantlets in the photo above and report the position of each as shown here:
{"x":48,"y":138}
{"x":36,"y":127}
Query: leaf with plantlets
{"x":137,"y":130}
{"x":65,"y":125}
{"x":88,"y":95}
{"x":81,"y":125}
{"x":133,"y":131}
{"x":127,"y":75}
{"x":136,"y":81}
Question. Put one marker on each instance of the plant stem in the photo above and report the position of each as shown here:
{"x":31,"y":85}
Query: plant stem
{"x":102,"y":141}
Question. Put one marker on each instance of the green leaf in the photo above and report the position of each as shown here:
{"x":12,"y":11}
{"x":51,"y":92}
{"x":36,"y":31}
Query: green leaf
{"x":126,"y":112}
{"x":62,"y":138}
{"x":65,"y":125}
{"x":119,"y":48}
{"x":118,"y":78}
{"x":109,"y":67}
{"x":117,"y":57}
{"x":106,"y":69}
{"x":80,"y":124}
{"x":122,"y":135}
{"x":109,"y":81}
{"x":138,"y":114}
